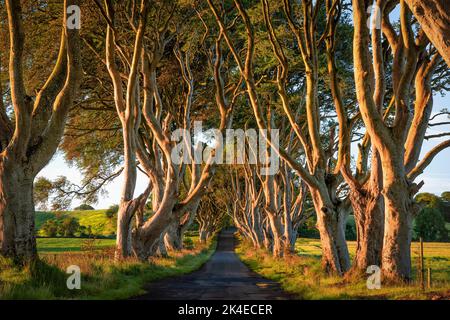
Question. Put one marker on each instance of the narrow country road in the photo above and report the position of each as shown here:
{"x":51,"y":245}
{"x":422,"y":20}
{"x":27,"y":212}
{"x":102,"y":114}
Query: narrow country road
{"x":223,"y":277}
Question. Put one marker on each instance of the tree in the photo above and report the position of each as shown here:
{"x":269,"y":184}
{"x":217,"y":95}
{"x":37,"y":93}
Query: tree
{"x":111,"y":212}
{"x":428,"y":199}
{"x":210,"y":218}
{"x":31,"y":136}
{"x":429,"y":224}
{"x":42,"y":190}
{"x":399,"y":140}
{"x":267,"y":211}
{"x":84,"y":207}
{"x":49,"y":228}
{"x":445,"y":196}
{"x":68,"y":226}
{"x":434,"y":20}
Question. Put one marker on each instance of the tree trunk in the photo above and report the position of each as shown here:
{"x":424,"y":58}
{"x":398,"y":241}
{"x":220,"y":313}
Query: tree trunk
{"x":123,"y":234}
{"x":369,"y":219}
{"x":161,"y":249}
{"x":17,"y":234}
{"x":173,"y":237}
{"x":290,"y":235}
{"x":148,"y":237}
{"x":293,"y":240}
{"x":368,"y":208}
{"x":396,"y":256}
{"x":127,"y":207}
{"x":257,"y":228}
{"x":277,"y":233}
{"x":203,"y":234}
{"x":331,"y":225}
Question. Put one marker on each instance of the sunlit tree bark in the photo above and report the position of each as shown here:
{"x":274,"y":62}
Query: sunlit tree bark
{"x":393,"y":142}
{"x":31,"y":138}
{"x":434,"y":18}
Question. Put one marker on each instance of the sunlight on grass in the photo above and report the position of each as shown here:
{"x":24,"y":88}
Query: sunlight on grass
{"x":102,"y":278}
{"x":61,"y":245}
{"x":302,"y":274}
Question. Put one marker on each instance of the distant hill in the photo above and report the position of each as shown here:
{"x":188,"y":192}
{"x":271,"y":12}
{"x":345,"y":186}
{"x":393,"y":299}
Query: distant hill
{"x":95,"y":219}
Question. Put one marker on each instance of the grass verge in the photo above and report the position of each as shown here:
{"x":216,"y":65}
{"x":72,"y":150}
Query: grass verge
{"x":302,"y":276}
{"x":101,"y":277}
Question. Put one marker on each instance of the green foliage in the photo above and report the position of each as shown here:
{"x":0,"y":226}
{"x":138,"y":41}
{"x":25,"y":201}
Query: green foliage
{"x":350,"y":228}
{"x":83,"y":207}
{"x":430,"y":222}
{"x":64,"y":226}
{"x":41,"y":193}
{"x":430,"y":225}
{"x":309,"y":229}
{"x":49,"y":228}
{"x":188,"y":243}
{"x":445,"y":196}
{"x":428,"y":199}
{"x":111,"y":212}
{"x":69,"y":226}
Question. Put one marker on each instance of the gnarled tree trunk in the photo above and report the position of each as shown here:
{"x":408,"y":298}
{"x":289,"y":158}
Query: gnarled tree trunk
{"x":173,"y":238}
{"x":31,"y":137}
{"x":396,"y":257}
{"x":369,"y":219}
{"x":277,"y":235}
{"x":331,"y":224}
{"x":17,"y":234}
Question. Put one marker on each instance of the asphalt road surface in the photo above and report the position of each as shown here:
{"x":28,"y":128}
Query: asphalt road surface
{"x":223,"y":277}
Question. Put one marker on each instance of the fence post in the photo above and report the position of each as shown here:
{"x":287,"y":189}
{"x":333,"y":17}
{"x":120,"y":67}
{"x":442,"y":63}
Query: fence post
{"x":421,"y":266}
{"x":429,"y":278}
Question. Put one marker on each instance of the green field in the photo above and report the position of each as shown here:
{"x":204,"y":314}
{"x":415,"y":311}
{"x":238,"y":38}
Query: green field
{"x":95,"y":219}
{"x":61,"y":245}
{"x":436,"y":255}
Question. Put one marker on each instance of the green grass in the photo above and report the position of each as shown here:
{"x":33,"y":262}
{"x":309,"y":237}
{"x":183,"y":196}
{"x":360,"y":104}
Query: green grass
{"x":436,"y":255}
{"x":95,"y":219}
{"x":101,"y":278}
{"x":302,"y":274}
{"x":61,"y":245}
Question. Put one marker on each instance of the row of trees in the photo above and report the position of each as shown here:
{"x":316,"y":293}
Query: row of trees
{"x":395,"y":71}
{"x":153,"y":67}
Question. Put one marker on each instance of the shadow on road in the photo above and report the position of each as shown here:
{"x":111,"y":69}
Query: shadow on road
{"x":223,"y":277}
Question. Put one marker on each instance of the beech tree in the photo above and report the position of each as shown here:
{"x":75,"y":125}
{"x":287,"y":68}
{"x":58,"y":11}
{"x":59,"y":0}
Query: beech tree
{"x":435,"y":21}
{"x":31,"y":134}
{"x":399,"y":142}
